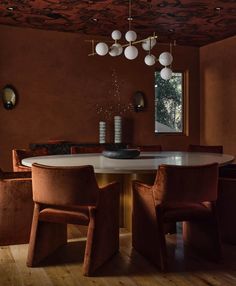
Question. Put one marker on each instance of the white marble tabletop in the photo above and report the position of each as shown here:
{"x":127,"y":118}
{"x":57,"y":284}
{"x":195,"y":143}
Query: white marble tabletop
{"x":147,"y":162}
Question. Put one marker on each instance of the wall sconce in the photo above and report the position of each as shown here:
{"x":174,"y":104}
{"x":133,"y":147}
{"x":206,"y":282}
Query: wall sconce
{"x":139,"y":101}
{"x":9,"y":97}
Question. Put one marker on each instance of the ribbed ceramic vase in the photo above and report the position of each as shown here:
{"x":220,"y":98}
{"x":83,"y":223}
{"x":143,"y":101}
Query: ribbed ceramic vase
{"x":102,"y":132}
{"x":117,"y":129}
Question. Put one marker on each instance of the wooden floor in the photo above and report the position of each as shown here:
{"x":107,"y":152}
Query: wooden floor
{"x":126,"y":268}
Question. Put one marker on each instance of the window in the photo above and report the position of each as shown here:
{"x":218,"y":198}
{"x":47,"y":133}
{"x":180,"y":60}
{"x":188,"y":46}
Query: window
{"x":169,"y":97}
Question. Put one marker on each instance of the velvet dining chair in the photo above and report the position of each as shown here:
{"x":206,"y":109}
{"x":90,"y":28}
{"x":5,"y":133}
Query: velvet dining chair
{"x":228,"y":171}
{"x":70,"y":195}
{"x":206,"y":148}
{"x":147,"y":148}
{"x":226,"y":203}
{"x":226,"y":209}
{"x":86,"y":149}
{"x":19,"y":154}
{"x":16,"y":207}
{"x":180,"y":194}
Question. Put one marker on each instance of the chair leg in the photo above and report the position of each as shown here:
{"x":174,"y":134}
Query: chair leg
{"x":162,"y":245}
{"x":45,"y":238}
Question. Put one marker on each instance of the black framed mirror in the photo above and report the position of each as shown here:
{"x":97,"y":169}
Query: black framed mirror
{"x":139,"y":101}
{"x":9,"y":97}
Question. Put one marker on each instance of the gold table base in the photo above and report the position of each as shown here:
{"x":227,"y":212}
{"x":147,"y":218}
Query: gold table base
{"x":125,"y":181}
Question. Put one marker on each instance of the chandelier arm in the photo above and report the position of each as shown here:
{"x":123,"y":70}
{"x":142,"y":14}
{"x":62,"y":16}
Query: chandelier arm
{"x":92,"y":54}
{"x":123,"y":46}
{"x":139,"y":41}
{"x":92,"y":46}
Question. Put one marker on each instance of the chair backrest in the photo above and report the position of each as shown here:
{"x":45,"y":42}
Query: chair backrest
{"x":186,"y":183}
{"x":205,"y":148}
{"x":228,"y":171}
{"x":86,"y":149}
{"x":57,"y":141}
{"x":63,"y":186}
{"x":148,"y":148}
{"x":20,"y":154}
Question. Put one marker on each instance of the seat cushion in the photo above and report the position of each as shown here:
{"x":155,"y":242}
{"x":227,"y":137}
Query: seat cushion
{"x":73,"y":215}
{"x":185,"y":212}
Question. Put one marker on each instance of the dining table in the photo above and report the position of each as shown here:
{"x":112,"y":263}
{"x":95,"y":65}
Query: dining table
{"x":143,"y":168}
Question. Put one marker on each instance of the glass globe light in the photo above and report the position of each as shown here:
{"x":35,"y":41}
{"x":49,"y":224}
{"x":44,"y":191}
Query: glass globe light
{"x":148,"y":44}
{"x":150,"y":60}
{"x":165,"y":58}
{"x":131,"y":52}
{"x":114,"y":51}
{"x":101,"y":49}
{"x":119,"y":47}
{"x":166,"y":73}
{"x":116,"y":35}
{"x":130,"y":36}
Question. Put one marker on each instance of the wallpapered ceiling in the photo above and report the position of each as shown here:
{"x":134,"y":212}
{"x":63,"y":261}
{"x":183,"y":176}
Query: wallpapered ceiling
{"x":189,"y":22}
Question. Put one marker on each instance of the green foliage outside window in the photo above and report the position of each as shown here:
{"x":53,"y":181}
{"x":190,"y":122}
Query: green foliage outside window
{"x":169,"y":103}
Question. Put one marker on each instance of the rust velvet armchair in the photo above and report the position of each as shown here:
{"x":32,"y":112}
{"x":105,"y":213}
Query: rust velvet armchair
{"x":226,"y":208}
{"x":65,"y":195}
{"x":86,"y":149}
{"x":150,"y":148}
{"x":20,"y":154}
{"x":147,"y":148}
{"x":180,"y":193}
{"x":16,"y":207}
{"x":226,"y":203}
{"x":206,"y":148}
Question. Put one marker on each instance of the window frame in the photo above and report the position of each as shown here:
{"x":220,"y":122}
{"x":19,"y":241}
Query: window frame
{"x":184,"y":131}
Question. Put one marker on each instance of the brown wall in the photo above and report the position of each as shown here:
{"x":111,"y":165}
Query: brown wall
{"x":60,"y":87}
{"x":218,"y":94}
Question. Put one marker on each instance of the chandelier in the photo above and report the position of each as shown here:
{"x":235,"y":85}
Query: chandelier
{"x":130,"y":50}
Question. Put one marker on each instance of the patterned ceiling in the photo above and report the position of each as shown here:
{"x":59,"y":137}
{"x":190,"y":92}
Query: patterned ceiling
{"x":189,"y":22}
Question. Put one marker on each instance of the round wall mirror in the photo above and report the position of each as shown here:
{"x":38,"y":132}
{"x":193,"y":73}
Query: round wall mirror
{"x":9,"y":97}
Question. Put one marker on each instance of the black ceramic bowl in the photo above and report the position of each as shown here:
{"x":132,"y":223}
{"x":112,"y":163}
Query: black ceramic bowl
{"x":121,"y":153}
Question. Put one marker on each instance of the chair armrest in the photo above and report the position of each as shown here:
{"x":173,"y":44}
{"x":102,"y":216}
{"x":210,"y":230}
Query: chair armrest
{"x":16,"y":205}
{"x":103,"y":230}
{"x":15,"y":181}
{"x":109,"y":195}
{"x":143,"y":195}
{"x":144,"y":222}
{"x":140,"y":186}
{"x":21,"y":168}
{"x":15,"y":175}
{"x":112,"y":185}
{"x":108,"y":199}
{"x":16,"y":190}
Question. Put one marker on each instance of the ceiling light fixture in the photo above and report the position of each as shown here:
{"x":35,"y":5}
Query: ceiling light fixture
{"x":131,"y":51}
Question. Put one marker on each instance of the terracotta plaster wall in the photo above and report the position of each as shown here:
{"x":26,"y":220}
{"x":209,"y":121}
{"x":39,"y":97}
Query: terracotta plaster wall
{"x":218,"y":96}
{"x":63,"y":93}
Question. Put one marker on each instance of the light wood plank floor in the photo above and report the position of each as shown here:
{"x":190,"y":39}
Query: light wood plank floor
{"x":126,"y":268}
